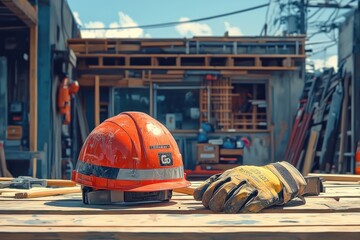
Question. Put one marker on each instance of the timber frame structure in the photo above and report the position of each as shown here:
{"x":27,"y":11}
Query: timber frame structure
{"x":231,"y":56}
{"x":277,"y":64}
{"x":136,"y":62}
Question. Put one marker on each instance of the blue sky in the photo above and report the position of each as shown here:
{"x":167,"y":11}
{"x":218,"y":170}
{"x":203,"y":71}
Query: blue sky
{"x":158,"y":11}
{"x":121,"y":13}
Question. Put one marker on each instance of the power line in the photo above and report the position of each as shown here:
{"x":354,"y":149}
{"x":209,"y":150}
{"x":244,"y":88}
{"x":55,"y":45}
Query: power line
{"x":274,"y":19}
{"x":317,"y":43}
{"x":314,"y":13}
{"x":322,"y":49}
{"x":169,"y":24}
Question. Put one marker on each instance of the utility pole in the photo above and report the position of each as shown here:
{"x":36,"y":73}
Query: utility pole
{"x":303,"y":24}
{"x":301,"y":17}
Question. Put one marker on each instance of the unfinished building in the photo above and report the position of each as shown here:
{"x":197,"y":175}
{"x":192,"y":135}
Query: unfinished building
{"x":243,"y":86}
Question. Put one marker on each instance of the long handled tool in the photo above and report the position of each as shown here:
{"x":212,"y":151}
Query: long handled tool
{"x":28,"y":181}
{"x":46,"y":192}
{"x":66,"y":187}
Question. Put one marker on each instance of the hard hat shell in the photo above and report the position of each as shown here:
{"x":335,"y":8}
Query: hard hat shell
{"x":130,"y":152}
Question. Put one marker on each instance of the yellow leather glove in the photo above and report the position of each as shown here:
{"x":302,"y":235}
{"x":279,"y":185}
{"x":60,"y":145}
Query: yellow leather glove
{"x":251,"y":188}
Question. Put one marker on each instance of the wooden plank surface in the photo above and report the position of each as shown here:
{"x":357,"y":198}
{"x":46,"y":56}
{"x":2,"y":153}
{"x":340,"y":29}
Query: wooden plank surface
{"x":66,"y":217}
{"x":180,"y":204}
{"x":182,"y":233}
{"x":186,"y":220}
{"x":338,"y":177}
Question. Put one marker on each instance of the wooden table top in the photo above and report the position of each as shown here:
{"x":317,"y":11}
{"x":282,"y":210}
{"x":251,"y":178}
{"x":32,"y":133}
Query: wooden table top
{"x":334,"y":215}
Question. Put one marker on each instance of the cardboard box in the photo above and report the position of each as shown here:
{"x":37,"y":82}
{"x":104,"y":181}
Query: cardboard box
{"x":14,"y":132}
{"x":208,"y":153}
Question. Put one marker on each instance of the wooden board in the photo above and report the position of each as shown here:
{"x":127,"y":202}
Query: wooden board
{"x":165,"y":220}
{"x":66,"y":217}
{"x":23,"y":10}
{"x":33,"y":96}
{"x":310,"y":151}
{"x":338,"y":177}
{"x":199,"y":233}
{"x":175,"y":206}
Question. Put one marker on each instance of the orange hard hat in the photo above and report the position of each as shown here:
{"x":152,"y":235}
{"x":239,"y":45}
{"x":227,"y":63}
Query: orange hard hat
{"x":130,"y":152}
{"x":74,"y":87}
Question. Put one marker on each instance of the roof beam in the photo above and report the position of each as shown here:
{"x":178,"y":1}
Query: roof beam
{"x":23,"y":10}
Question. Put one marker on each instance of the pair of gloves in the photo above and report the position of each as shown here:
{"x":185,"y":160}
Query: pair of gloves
{"x":251,"y":188}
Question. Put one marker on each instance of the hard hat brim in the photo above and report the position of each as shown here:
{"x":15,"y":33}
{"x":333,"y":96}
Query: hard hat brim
{"x":161,"y":186}
{"x":131,"y":185}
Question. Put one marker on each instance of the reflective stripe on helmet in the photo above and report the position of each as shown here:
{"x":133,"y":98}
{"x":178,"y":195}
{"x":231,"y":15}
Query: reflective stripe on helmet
{"x":129,"y":174}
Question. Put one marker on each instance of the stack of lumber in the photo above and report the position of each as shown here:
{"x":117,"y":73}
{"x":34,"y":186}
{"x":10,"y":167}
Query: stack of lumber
{"x":314,"y":140}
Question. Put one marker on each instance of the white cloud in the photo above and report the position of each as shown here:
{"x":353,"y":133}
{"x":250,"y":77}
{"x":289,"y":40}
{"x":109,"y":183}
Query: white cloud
{"x":124,"y":21}
{"x":193,"y":29}
{"x":331,"y":61}
{"x":232,"y":31}
{"x":93,"y":33}
{"x":77,"y":18}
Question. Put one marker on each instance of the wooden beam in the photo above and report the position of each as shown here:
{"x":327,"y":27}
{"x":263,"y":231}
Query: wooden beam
{"x":33,"y":95}
{"x":89,"y":82}
{"x":310,"y":153}
{"x":214,"y":68}
{"x":209,"y":56}
{"x":337,"y":177}
{"x":23,"y":10}
{"x":151,"y":96}
{"x":97,"y":100}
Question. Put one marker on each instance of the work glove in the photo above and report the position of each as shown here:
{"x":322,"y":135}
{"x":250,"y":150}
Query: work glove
{"x":251,"y":188}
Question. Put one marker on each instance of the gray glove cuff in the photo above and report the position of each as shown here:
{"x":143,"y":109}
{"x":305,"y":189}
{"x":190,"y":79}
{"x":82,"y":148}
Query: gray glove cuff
{"x":293,"y":182}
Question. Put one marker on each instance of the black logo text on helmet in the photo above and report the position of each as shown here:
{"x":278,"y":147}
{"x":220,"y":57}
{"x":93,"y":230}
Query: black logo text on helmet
{"x":165,"y":159}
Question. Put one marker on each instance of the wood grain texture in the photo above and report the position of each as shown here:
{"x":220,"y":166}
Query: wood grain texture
{"x":182,"y":233}
{"x":178,"y":205}
{"x":45,"y":192}
{"x":338,"y":177}
{"x":33,"y":88}
{"x":66,"y":217}
{"x":186,"y":220}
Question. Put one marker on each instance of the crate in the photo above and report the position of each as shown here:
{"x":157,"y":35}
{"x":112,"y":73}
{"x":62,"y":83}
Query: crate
{"x":208,"y":153}
{"x":14,"y":132}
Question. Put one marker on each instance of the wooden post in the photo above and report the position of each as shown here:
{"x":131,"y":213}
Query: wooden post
{"x":254,"y":115}
{"x":97,"y":100}
{"x":33,"y":95}
{"x":151,"y":96}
